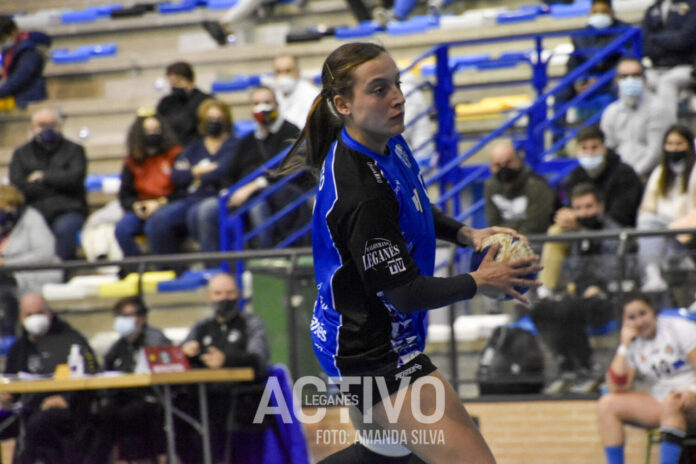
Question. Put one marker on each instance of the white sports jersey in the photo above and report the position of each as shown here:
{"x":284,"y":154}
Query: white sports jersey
{"x":662,"y":361}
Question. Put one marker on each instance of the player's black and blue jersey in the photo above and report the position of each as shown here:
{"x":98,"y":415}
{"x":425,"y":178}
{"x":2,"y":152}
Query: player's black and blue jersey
{"x":372,"y":231}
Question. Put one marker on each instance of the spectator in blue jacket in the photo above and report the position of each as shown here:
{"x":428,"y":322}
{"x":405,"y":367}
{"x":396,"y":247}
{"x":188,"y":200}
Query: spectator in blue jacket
{"x":669,"y":34}
{"x":199,"y":171}
{"x":23,"y":63}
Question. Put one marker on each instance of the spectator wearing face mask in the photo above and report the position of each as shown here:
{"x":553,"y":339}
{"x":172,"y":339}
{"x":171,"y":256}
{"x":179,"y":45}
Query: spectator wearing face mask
{"x":588,"y":273}
{"x":669,"y":33}
{"x":180,"y":107}
{"x":146,"y":186}
{"x":23,"y":61}
{"x":635,"y":124}
{"x":59,"y":427}
{"x":24,"y":239}
{"x":230,"y":337}
{"x":294,"y":94}
{"x":669,"y":196}
{"x":273,"y":134}
{"x":617,"y":183}
{"x":50,"y":171}
{"x":199,"y":171}
{"x":135,"y":417}
{"x":601,"y":17}
{"x":516,"y":197}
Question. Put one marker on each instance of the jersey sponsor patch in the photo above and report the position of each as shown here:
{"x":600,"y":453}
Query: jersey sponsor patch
{"x":317,"y":328}
{"x":375,"y":172}
{"x":379,"y":251}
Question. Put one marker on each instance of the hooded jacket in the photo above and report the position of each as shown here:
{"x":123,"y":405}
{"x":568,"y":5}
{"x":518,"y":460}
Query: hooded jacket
{"x":22,"y":67}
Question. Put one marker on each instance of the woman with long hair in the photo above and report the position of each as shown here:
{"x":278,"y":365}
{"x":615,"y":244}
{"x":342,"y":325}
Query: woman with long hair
{"x":373,"y":238}
{"x":669,"y":195}
{"x":662,"y":351}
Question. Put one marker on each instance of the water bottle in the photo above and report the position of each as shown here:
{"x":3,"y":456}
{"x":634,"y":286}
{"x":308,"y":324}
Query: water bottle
{"x":76,"y":361}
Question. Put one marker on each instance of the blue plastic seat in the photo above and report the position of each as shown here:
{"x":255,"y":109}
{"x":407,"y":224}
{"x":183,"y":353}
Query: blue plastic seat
{"x":517,"y":16}
{"x":106,"y":10}
{"x":236,"y":84}
{"x":458,"y":63}
{"x":574,"y":10}
{"x":414,"y":25}
{"x":82,"y":16}
{"x":364,"y":29}
{"x":185,"y":5}
{"x":63,"y":56}
{"x":221,"y":4}
{"x":109,"y":49}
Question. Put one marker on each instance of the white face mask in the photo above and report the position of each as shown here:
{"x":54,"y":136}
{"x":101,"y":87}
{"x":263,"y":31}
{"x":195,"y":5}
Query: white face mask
{"x":285,"y":84}
{"x":600,"y":20}
{"x":590,"y":162}
{"x":124,"y":325}
{"x":37,"y":324}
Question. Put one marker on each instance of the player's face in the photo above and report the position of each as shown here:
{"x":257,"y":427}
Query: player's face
{"x":375,"y":112}
{"x":641,"y":316}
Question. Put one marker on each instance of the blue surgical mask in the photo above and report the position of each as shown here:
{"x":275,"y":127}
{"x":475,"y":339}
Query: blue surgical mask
{"x":590,"y":162}
{"x":600,"y":20}
{"x":124,"y":325}
{"x":631,"y":87}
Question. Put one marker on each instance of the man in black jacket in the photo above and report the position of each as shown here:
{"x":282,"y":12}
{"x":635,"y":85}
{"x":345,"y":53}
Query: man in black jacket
{"x":618,"y":183}
{"x":230,"y":337}
{"x":180,"y":107}
{"x":59,"y":426}
{"x":272,"y":135}
{"x":50,"y":170}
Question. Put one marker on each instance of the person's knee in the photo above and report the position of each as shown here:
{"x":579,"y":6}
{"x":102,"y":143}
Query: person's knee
{"x":671,"y":406}
{"x":607,"y":405}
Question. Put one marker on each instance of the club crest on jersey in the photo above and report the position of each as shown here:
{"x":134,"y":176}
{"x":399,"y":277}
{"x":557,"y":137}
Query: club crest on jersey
{"x":380,"y":250}
{"x":403,"y":156}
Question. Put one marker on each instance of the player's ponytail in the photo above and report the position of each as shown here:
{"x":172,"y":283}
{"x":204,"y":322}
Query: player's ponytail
{"x":324,"y":123}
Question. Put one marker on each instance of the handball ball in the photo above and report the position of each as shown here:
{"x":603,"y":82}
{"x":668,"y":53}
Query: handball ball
{"x":511,"y":249}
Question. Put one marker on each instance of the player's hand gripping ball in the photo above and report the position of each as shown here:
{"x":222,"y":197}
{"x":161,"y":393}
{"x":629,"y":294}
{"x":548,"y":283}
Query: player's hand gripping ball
{"x":511,"y":249}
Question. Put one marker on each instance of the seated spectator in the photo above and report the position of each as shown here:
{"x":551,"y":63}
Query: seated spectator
{"x":590,"y":269}
{"x":231,"y":337}
{"x":669,"y":32}
{"x":199,"y":171}
{"x":146,"y":186}
{"x":98,"y":236}
{"x":294,"y":94}
{"x":24,"y":239}
{"x":134,"y":415}
{"x":635,"y":124}
{"x":669,"y":196}
{"x":516,"y":196}
{"x":180,"y":107}
{"x":272,"y":135}
{"x":23,"y":61}
{"x":50,"y":170}
{"x":617,"y":182}
{"x":601,"y":17}
{"x":59,"y":427}
{"x":661,"y":350}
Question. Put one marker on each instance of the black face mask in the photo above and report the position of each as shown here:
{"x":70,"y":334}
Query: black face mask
{"x":8,"y":219}
{"x":153,"y":141}
{"x":48,"y":137}
{"x":675,"y":156}
{"x":227,"y":309}
{"x":179,"y":93}
{"x":590,"y":222}
{"x":214,"y":128}
{"x":506,"y":174}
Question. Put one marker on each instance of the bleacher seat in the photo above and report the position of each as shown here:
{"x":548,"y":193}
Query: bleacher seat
{"x":529,"y":13}
{"x":181,"y":7}
{"x":189,"y":280}
{"x":128,"y":286}
{"x":236,"y":84}
{"x":490,"y":107}
{"x":364,"y":29}
{"x":83,"y":53}
{"x":78,"y":287}
{"x":579,"y":8}
{"x":242,"y":128}
{"x":415,"y":25}
{"x":82,"y":16}
{"x":221,"y":4}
